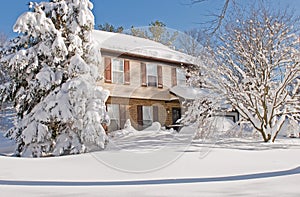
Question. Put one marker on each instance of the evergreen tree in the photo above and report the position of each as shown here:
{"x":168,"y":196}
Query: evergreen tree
{"x":110,"y":28}
{"x":3,"y":40}
{"x":157,"y":32}
{"x":53,"y":68}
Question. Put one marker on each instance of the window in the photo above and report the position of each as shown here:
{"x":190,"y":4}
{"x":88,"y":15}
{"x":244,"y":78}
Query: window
{"x":152,"y":75}
{"x":181,"y":78}
{"x":113,"y":111}
{"x":117,"y":71}
{"x":147,"y":116}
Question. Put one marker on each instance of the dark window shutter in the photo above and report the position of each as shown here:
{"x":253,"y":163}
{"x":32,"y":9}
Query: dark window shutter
{"x":140,"y":116}
{"x":160,"y":77}
{"x":155,"y":113}
{"x":174,"y":77}
{"x":107,"y":71}
{"x":143,"y":74}
{"x":126,"y":72}
{"x":122,"y":116}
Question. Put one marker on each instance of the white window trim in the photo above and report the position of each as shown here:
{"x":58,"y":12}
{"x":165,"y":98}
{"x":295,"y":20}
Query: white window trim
{"x":113,"y":118}
{"x":112,"y":70}
{"x":150,"y":108}
{"x":180,"y":72}
{"x":147,"y":74}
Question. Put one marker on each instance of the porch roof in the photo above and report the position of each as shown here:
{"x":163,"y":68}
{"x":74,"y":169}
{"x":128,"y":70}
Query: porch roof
{"x":191,"y":93}
{"x":149,"y":93}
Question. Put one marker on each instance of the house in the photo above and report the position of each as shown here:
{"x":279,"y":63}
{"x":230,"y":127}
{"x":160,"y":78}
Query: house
{"x":139,"y":74}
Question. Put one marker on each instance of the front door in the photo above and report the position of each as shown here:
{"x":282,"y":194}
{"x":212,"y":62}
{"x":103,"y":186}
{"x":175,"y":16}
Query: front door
{"x":176,"y":114}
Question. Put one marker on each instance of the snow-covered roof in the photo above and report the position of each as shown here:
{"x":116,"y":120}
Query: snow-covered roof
{"x":123,"y":43}
{"x":190,"y":93}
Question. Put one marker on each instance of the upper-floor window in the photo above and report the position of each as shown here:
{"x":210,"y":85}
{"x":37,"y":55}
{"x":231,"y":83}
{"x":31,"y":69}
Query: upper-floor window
{"x":117,"y":70}
{"x":181,"y":77}
{"x":178,"y":77}
{"x":151,"y":75}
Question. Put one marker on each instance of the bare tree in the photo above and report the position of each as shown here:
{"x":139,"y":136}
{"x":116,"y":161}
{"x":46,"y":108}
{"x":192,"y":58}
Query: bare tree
{"x":193,"y":41}
{"x":256,"y":68}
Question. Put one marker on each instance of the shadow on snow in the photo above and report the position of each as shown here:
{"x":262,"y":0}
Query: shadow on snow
{"x":154,"y":182}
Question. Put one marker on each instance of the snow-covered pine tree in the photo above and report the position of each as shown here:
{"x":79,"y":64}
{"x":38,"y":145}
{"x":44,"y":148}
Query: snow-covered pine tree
{"x":53,"y":68}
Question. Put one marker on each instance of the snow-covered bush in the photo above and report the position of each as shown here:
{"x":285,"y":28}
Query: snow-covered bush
{"x":203,"y":112}
{"x":53,"y":67}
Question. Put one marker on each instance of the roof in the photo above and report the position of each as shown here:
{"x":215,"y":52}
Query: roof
{"x":132,"y":45}
{"x":190,"y":93}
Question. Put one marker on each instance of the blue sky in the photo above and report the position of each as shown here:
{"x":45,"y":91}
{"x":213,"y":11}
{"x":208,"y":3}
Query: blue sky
{"x":176,"y":14}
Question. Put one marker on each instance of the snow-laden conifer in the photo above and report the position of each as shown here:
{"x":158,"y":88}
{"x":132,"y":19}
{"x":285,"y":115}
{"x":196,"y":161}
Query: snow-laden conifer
{"x":53,"y":67}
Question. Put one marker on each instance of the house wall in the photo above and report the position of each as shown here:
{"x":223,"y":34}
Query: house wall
{"x":135,"y":70}
{"x":130,"y":96}
{"x":131,"y":107}
{"x":135,"y":73}
{"x":167,"y":76}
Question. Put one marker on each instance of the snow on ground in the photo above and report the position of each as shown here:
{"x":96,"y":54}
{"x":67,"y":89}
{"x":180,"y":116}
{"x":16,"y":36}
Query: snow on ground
{"x":161,"y":163}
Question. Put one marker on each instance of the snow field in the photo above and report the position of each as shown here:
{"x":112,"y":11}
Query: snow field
{"x":200,"y":169}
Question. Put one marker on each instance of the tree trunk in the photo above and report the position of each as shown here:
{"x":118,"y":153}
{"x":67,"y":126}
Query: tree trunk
{"x":265,"y":137}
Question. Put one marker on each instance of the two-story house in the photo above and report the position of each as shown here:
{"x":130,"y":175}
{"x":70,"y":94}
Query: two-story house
{"x":139,"y":74}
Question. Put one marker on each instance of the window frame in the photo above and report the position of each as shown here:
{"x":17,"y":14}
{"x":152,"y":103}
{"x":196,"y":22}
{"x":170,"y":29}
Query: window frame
{"x":113,"y":70}
{"x":149,"y":112}
{"x":112,"y":114}
{"x":153,"y":65}
{"x":180,"y":77}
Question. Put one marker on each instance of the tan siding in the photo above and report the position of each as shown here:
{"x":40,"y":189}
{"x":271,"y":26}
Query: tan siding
{"x":135,"y":74}
{"x":174,"y":77}
{"x":166,"y":70}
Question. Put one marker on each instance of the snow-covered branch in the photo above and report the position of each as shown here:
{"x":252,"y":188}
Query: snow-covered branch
{"x":256,"y":67}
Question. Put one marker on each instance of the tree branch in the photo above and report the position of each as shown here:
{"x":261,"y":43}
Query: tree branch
{"x":220,"y":17}
{"x":197,"y":1}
